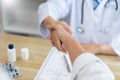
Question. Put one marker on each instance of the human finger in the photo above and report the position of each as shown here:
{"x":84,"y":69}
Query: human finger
{"x":66,"y":26}
{"x":55,"y":40}
{"x":64,"y":48}
{"x":52,"y":43}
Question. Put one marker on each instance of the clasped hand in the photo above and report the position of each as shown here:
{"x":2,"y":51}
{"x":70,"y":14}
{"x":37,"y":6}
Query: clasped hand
{"x":61,"y":37}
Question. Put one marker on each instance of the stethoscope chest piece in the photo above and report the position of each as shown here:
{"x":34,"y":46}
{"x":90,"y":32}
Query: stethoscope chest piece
{"x":81,"y":29}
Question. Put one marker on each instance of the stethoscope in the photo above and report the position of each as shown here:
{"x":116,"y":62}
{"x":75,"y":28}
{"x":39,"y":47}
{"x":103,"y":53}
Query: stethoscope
{"x":80,"y":29}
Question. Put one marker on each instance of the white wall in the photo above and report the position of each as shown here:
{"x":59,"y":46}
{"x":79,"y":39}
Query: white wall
{"x":22,"y":17}
{"x":0,"y":16}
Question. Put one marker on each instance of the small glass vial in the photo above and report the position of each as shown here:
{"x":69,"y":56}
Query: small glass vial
{"x":11,"y":53}
{"x":25,"y":53}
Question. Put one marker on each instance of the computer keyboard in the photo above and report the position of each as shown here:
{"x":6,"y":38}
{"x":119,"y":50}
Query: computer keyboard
{"x":55,"y":67}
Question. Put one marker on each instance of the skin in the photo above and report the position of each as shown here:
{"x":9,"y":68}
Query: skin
{"x":0,"y":58}
{"x":49,"y":21}
{"x":67,"y":39}
{"x":93,"y":48}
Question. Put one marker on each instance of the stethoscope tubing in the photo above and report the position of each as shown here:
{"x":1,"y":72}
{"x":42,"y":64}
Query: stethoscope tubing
{"x":82,"y":9}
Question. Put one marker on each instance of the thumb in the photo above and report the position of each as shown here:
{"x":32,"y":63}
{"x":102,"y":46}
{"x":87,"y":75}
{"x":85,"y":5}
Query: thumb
{"x":60,"y":32}
{"x":51,"y":27}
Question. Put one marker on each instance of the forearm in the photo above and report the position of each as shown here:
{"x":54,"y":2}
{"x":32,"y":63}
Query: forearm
{"x":106,"y":49}
{"x":73,"y":47}
{"x":99,"y":48}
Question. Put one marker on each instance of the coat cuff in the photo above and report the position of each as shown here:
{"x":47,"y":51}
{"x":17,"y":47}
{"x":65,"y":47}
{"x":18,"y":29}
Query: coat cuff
{"x":82,"y":61}
{"x":116,"y":47}
{"x":43,"y":13}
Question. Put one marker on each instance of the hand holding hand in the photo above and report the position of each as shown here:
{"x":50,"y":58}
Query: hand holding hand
{"x":53,"y":37}
{"x":70,"y":44}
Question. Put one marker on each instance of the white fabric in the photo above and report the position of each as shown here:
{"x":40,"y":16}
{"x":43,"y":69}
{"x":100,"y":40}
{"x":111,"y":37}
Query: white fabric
{"x":3,"y":74}
{"x":101,"y":26}
{"x":88,"y":67}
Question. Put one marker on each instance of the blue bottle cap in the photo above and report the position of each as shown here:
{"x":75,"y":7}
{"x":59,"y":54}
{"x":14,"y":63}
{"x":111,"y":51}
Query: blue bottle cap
{"x":10,"y":46}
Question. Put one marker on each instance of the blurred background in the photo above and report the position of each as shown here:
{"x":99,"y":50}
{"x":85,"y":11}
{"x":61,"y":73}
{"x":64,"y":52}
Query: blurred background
{"x":20,"y":16}
{"x":0,"y":17}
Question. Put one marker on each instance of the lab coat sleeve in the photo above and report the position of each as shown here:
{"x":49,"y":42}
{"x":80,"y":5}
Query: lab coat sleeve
{"x":88,"y":67}
{"x":116,"y":25}
{"x":116,"y":44}
{"x":54,"y":8}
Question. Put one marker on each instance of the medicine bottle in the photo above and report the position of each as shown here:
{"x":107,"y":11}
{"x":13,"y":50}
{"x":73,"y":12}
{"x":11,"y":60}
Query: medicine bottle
{"x":11,"y":53}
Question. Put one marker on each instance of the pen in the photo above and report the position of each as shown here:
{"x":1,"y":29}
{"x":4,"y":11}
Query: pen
{"x":67,"y":63}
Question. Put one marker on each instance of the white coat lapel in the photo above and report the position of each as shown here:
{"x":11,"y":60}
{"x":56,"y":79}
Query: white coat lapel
{"x":90,"y":6}
{"x":99,"y":11}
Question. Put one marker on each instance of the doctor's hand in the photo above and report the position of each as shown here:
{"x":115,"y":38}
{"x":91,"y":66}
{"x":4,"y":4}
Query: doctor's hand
{"x":70,"y":44}
{"x":53,"y":37}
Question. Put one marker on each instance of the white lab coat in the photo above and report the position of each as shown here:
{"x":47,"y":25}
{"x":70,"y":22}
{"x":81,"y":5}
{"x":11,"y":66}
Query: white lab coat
{"x":103,"y":18}
{"x":88,"y":67}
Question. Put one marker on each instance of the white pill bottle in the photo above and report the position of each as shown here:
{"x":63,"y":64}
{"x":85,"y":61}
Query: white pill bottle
{"x":11,"y":53}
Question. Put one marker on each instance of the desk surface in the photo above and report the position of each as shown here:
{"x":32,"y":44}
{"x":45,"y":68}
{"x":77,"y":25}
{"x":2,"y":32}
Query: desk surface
{"x":39,"y":49}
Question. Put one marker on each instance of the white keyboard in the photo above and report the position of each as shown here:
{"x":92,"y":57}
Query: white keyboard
{"x":54,"y":67}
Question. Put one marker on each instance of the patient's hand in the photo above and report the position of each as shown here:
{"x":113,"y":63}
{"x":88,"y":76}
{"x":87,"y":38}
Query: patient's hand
{"x":70,"y":44}
{"x":56,"y":41}
{"x":48,"y":23}
{"x":53,"y":37}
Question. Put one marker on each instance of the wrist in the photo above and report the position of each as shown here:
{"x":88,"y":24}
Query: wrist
{"x":98,"y":48}
{"x":93,"y":48}
{"x":48,"y":21}
{"x":75,"y":49}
